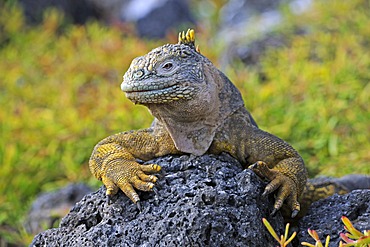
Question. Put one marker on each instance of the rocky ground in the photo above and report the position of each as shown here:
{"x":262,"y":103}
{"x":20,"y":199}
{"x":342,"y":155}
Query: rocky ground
{"x":201,"y":201}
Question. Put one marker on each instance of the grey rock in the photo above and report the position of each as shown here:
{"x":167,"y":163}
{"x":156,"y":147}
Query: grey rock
{"x":250,"y":54}
{"x":354,"y":181}
{"x":235,"y":12}
{"x":324,"y":216}
{"x":49,"y":208}
{"x":109,"y":11}
{"x":155,"y":18}
{"x":202,"y":201}
{"x":76,"y":11}
{"x":247,"y":28}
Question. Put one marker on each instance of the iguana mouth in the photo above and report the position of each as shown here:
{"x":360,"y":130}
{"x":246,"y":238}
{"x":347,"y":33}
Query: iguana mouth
{"x":147,"y":87}
{"x":148,"y":90}
{"x":159,"y":95}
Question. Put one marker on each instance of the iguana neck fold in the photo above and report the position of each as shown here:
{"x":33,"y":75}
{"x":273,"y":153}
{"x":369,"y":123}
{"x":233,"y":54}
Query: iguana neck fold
{"x":193,"y":129}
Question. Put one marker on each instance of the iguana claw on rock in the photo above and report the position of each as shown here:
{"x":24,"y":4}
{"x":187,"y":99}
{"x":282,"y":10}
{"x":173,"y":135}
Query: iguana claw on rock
{"x":197,"y":110}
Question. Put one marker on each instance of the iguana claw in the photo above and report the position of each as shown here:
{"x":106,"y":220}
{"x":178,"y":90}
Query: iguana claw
{"x":285,"y":187}
{"x":274,"y":211}
{"x":294,"y":213}
{"x":138,"y":205}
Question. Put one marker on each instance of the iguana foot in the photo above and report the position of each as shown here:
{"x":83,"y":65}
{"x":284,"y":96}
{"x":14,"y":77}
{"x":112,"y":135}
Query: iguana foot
{"x":128,"y":176}
{"x":285,"y":186}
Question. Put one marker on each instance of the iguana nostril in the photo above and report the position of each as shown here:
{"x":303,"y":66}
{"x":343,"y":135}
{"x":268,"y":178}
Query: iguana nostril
{"x":138,"y":74}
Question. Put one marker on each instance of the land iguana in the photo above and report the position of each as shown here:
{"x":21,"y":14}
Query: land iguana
{"x":197,"y":110}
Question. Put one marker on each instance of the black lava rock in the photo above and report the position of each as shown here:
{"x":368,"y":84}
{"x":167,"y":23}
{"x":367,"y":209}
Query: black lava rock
{"x":202,"y":201}
{"x":50,"y":207}
{"x":324,"y":216}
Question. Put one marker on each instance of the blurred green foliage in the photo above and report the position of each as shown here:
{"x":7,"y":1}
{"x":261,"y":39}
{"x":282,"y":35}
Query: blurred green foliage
{"x":315,"y":92}
{"x":60,"y":95}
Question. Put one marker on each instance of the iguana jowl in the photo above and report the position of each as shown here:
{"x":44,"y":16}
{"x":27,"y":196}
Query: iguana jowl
{"x":197,"y":110}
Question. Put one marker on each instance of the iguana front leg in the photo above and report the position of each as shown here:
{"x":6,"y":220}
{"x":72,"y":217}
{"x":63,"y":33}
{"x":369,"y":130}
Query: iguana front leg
{"x":280,"y":164}
{"x":113,"y":160}
{"x":267,"y":155}
{"x":283,"y":181}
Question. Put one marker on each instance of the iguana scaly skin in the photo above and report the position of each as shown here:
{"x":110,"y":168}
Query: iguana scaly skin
{"x":197,"y":110}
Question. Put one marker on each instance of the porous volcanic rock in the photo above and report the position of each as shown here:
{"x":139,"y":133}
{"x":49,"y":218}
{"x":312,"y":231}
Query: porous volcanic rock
{"x":324,"y":216}
{"x":202,"y":201}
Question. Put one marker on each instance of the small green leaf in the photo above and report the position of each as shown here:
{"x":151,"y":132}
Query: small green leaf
{"x":270,"y":229}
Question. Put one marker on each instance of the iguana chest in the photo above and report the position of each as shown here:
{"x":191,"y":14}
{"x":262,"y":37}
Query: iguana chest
{"x":233,"y":135}
{"x":226,"y":140}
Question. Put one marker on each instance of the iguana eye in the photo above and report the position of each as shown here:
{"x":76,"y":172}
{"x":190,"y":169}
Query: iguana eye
{"x":167,"y":66}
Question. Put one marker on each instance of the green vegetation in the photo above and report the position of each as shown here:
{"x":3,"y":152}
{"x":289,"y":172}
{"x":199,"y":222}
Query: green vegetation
{"x":283,"y":240}
{"x":60,"y":95}
{"x":316,"y":91}
{"x":354,"y":237}
{"x":59,"y":92}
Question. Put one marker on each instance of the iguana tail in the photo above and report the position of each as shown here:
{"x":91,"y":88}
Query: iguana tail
{"x":322,"y":187}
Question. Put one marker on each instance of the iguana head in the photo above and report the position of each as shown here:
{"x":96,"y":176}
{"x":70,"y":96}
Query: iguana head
{"x":184,"y":91}
{"x":173,"y":72}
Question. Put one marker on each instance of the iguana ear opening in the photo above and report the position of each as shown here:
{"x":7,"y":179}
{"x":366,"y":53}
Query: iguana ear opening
{"x":188,"y":39}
